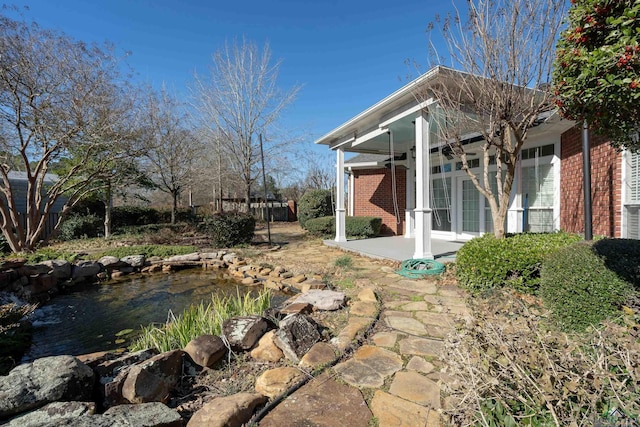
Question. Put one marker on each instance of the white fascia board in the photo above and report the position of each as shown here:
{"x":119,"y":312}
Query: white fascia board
{"x":403,"y":91}
{"x":413,"y":110}
{"x":336,"y":145}
{"x":368,"y":136}
{"x":363,"y":165}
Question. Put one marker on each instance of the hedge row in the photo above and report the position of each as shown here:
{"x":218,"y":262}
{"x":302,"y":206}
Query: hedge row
{"x":355,"y":226}
{"x":581,"y":283}
{"x":229,"y":229}
{"x":485,"y":262}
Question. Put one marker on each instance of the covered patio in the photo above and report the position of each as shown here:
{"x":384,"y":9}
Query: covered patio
{"x":396,"y":248}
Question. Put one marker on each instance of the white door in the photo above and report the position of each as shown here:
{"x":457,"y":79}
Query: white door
{"x":468,"y":218}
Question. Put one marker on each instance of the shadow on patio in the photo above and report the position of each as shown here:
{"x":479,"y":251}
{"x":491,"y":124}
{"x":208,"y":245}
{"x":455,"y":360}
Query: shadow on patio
{"x":396,"y":248}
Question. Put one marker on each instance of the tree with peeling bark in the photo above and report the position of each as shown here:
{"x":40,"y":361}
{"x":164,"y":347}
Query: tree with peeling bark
{"x":61,"y":101}
{"x":172,"y":147}
{"x":239,"y":99}
{"x":500,"y":55}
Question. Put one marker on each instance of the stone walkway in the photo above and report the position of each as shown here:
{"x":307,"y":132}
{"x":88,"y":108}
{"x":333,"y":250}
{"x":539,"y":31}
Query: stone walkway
{"x":397,"y":369}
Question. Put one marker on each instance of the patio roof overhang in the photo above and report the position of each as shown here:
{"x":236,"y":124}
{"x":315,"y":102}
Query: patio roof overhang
{"x":367,"y":131}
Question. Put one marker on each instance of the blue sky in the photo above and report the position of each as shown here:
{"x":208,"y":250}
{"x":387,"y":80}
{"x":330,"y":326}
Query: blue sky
{"x":346,"y":54}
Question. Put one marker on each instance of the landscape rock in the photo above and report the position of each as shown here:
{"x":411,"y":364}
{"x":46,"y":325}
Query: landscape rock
{"x":151,"y":380}
{"x":322,"y":402}
{"x":85,"y":269}
{"x":55,"y":413}
{"x":363,"y":309}
{"x":230,"y":257}
{"x":296,"y":335}
{"x":210,"y":256}
{"x":46,"y":380}
{"x":230,"y":411}
{"x":184,"y":258}
{"x":33,"y":269}
{"x":136,"y":261}
{"x":321,"y":354}
{"x":266,"y":350}
{"x":206,"y":350}
{"x":243,"y":333}
{"x":369,"y":367}
{"x":323,"y":299}
{"x":111,"y":262}
{"x":274,"y":382}
{"x":154,"y":414}
{"x":367,"y":295}
{"x":297,"y":308}
{"x":416,"y":388}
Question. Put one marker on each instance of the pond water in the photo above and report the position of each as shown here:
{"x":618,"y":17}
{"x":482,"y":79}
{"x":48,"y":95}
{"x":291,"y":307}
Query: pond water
{"x":88,"y":320}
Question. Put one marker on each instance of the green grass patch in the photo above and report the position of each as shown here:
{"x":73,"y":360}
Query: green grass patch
{"x":343,"y":261}
{"x":347,"y":283}
{"x":200,"y":319}
{"x":45,"y":254}
{"x":162,"y":251}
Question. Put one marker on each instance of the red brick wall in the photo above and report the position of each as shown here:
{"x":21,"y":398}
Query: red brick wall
{"x":606,"y":185}
{"x":373,"y":197}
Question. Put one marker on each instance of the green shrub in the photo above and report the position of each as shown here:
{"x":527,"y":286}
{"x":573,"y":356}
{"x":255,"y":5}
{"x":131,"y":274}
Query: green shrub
{"x":180,"y":227}
{"x":81,"y":227}
{"x":355,"y":226}
{"x":579,"y":289}
{"x":123,"y":216}
{"x":314,"y":204}
{"x":45,"y":254}
{"x":229,"y":229}
{"x":485,"y":262}
{"x":622,"y":256}
{"x":182,"y":215}
{"x":321,"y":227}
{"x":343,"y":261}
{"x":162,"y":251}
{"x":363,"y":226}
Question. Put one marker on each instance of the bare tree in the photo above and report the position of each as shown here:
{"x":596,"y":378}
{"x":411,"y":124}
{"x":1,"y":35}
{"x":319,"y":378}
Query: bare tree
{"x":61,"y":102}
{"x":504,"y":51}
{"x":240,"y":99}
{"x":172,"y":148}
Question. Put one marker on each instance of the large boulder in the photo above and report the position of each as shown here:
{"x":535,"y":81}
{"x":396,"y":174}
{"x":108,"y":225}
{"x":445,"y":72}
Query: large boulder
{"x":206,"y":350}
{"x":85,"y":269}
{"x":59,"y":268}
{"x":153,"y":379}
{"x":296,"y":335}
{"x":55,"y":413}
{"x":230,"y":411}
{"x":243,"y":333}
{"x":323,"y":299}
{"x":50,"y":379}
{"x":136,"y":261}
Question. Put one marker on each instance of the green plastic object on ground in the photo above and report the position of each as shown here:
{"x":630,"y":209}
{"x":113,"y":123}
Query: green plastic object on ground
{"x":418,"y":268}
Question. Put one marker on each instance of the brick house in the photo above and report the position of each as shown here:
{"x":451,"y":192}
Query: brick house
{"x":405,"y":175}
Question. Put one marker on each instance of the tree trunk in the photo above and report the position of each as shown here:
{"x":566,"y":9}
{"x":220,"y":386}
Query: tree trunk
{"x":108,"y":205}
{"x":174,"y":207}
{"x":248,"y":195}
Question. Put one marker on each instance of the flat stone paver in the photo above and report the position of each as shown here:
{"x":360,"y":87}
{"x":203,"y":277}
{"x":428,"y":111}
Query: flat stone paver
{"x":363,"y":309}
{"x":406,"y":324}
{"x":385,"y":339}
{"x":421,"y":347}
{"x":416,"y":306}
{"x":439,"y":319}
{"x":418,"y":364}
{"x":392,"y":411}
{"x":416,"y":388}
{"x":322,"y":402}
{"x":369,"y":367}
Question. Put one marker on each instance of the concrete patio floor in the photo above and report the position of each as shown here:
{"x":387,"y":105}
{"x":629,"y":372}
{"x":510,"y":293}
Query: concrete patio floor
{"x":396,"y":248}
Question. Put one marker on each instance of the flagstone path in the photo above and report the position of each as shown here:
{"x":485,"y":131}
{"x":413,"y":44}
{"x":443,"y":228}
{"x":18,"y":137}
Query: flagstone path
{"x":398,"y":369}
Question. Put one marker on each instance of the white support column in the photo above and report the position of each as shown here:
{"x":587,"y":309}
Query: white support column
{"x":515,"y":212}
{"x":351,"y":194}
{"x":409,"y":220}
{"x":423,"y":181}
{"x":340,"y":211}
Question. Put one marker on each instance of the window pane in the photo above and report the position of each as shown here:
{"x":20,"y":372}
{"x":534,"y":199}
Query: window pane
{"x":440,"y":203}
{"x":470,"y":207}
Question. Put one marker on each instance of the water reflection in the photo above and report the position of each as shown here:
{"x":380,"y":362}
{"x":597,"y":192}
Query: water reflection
{"x":88,"y":320}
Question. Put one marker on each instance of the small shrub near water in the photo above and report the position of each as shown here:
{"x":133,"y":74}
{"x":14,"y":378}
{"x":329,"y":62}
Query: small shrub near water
{"x":200,"y":319}
{"x":486,"y":263}
{"x":162,"y":251}
{"x":227,"y":230}
{"x":355,"y":226}
{"x":314,"y":204}
{"x":580,"y":289}
{"x":78,"y":226}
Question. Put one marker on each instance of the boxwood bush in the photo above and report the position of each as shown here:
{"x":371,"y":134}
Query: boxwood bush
{"x":579,"y":288}
{"x":314,"y":204}
{"x":485,"y":262}
{"x":355,"y":226}
{"x":123,"y":216}
{"x":622,"y":256}
{"x":229,"y":229}
{"x":79,"y":226}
